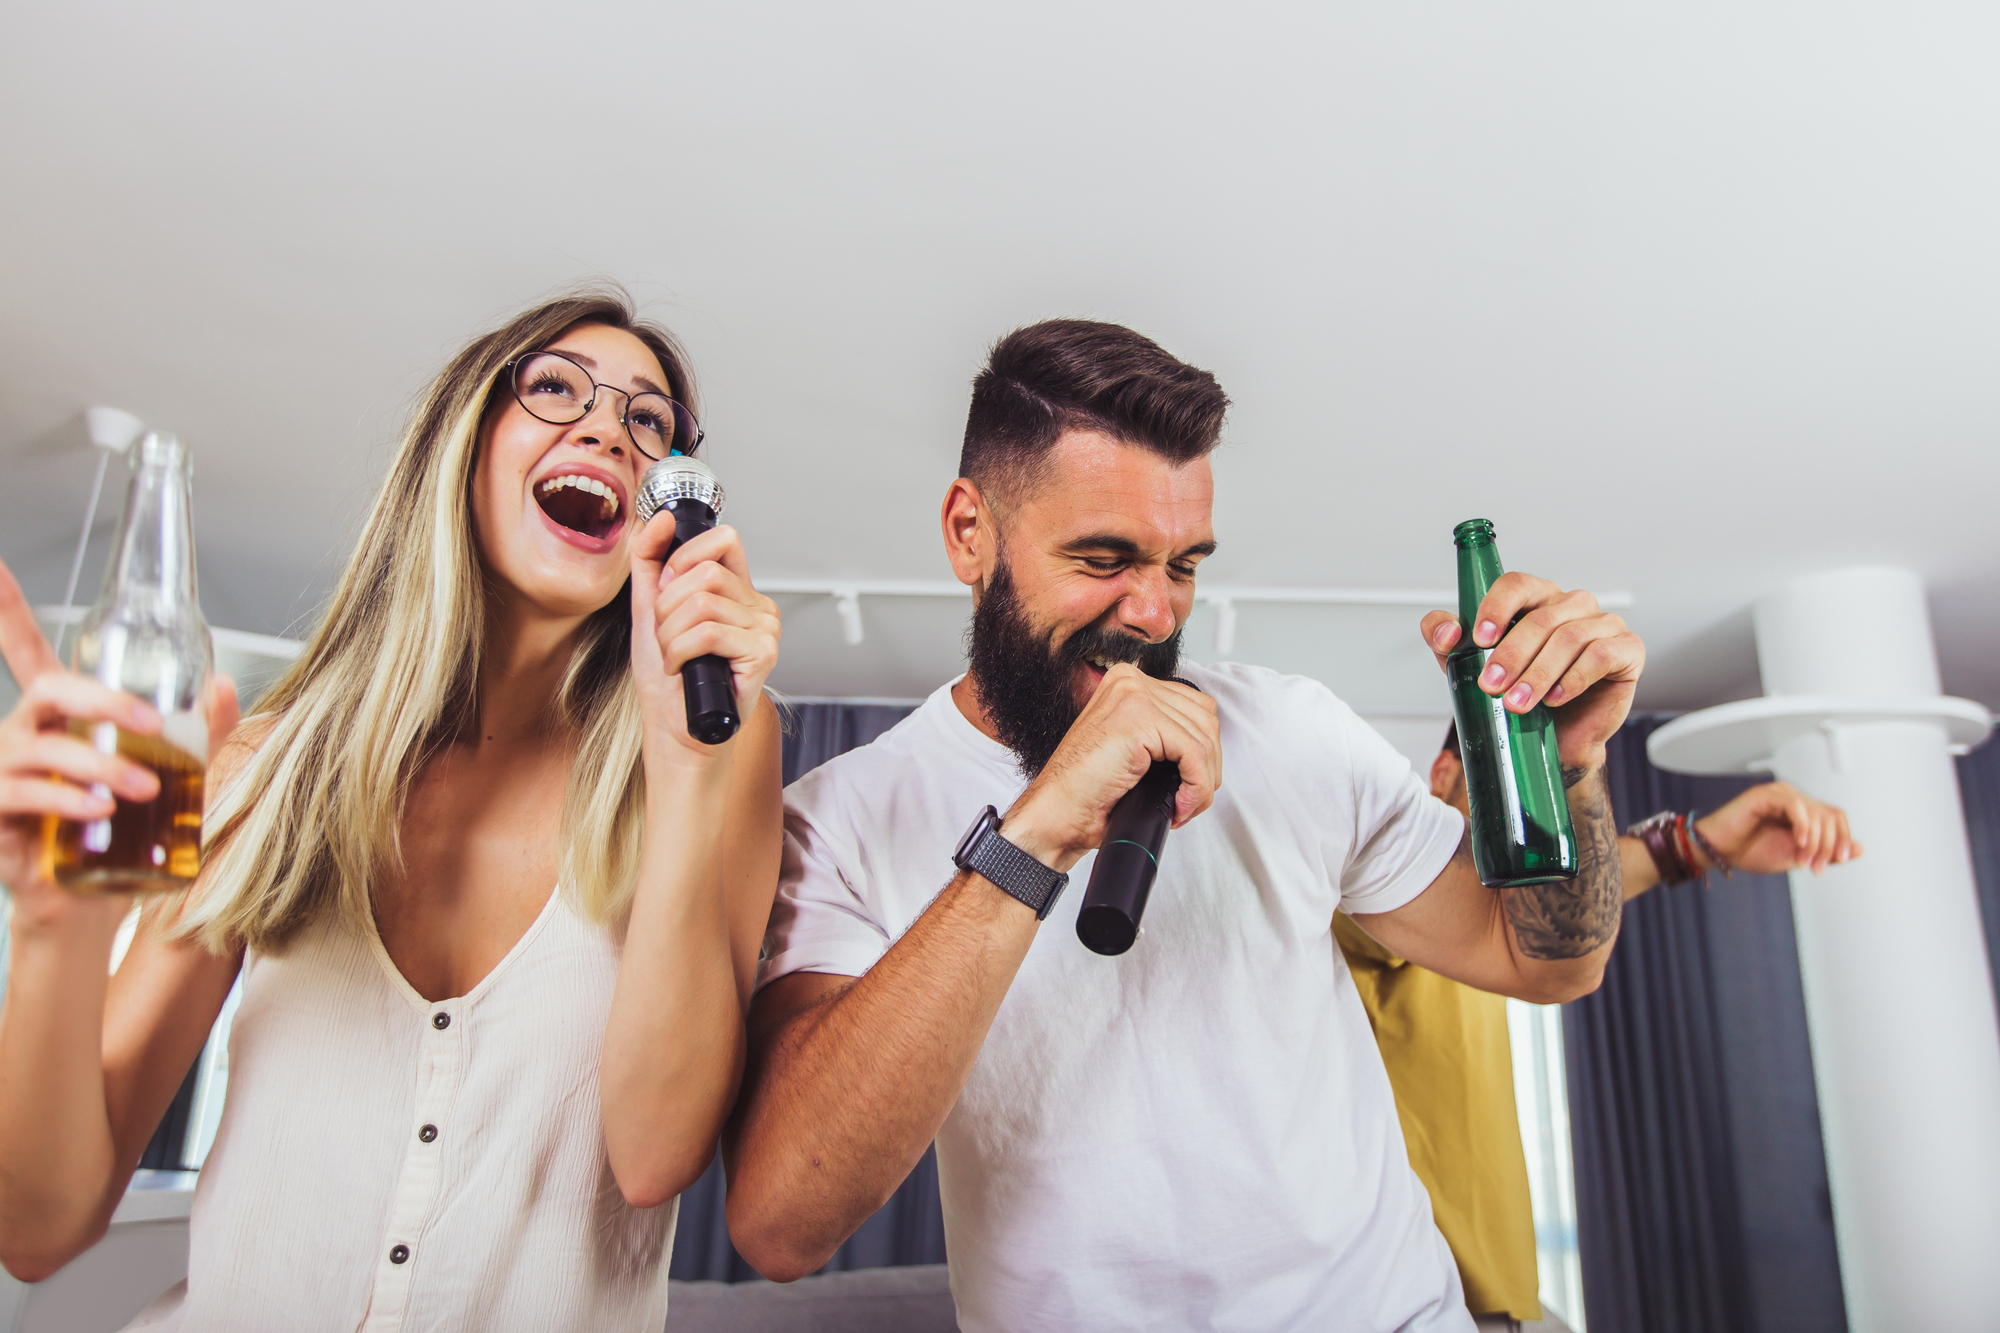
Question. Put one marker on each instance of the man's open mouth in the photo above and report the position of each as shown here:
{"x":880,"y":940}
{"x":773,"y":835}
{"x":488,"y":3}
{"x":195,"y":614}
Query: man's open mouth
{"x":581,"y":504}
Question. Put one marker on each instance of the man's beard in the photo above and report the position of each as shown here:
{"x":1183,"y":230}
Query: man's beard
{"x":1027,"y":686}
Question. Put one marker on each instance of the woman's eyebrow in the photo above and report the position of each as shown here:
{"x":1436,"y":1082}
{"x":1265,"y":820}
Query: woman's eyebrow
{"x":591,"y":365}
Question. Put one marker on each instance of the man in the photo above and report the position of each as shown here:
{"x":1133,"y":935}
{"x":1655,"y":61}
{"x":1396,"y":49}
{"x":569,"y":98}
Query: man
{"x":1198,"y":1133}
{"x":1446,"y":1049}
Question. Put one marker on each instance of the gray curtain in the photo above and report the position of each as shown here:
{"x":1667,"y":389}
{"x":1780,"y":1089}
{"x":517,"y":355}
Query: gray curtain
{"x":1702,"y":1199}
{"x":1979,"y":788}
{"x":909,"y":1229}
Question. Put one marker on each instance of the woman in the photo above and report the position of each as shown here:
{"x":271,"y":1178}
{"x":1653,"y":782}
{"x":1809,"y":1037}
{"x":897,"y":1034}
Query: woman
{"x":496,"y":914}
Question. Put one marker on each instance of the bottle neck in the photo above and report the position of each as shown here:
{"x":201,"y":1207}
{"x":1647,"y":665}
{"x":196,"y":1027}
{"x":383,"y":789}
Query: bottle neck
{"x":151,"y":572}
{"x":1478,"y":570}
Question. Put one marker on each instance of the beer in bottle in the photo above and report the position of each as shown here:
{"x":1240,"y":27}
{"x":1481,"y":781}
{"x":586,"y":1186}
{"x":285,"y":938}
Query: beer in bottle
{"x":145,"y":635}
{"x":1521,"y":829}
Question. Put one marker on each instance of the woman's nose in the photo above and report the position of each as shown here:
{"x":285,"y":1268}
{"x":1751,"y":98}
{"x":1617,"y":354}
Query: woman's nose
{"x":601,"y":426}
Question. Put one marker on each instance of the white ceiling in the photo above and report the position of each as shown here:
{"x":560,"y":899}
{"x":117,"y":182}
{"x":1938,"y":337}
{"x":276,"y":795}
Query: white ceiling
{"x":1689,"y":299}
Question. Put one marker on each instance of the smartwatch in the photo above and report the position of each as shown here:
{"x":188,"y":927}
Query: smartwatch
{"x":1010,"y":869}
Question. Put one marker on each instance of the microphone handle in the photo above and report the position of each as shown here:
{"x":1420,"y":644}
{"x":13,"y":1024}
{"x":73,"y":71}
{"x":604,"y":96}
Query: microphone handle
{"x":706,"y":682}
{"x":1120,"y":881}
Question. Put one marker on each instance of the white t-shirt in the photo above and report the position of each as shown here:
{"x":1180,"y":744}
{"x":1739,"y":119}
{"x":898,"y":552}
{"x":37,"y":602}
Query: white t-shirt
{"x":1197,"y":1134}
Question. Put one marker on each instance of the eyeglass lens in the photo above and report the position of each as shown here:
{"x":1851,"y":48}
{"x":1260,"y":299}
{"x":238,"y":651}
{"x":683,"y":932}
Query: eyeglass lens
{"x":558,"y":391}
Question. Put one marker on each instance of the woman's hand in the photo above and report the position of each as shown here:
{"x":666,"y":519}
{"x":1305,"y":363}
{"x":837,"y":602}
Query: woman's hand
{"x":1775,"y":827}
{"x":44,"y":770}
{"x":698,"y":602}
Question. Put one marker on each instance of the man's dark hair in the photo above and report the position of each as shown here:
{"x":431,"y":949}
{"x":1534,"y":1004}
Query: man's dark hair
{"x":1078,"y":374}
{"x":1451,"y":738}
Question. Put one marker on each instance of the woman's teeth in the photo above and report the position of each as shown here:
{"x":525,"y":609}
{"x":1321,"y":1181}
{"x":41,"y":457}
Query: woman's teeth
{"x":582,"y":483}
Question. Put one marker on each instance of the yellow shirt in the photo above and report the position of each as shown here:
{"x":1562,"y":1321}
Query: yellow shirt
{"x":1445,"y":1046}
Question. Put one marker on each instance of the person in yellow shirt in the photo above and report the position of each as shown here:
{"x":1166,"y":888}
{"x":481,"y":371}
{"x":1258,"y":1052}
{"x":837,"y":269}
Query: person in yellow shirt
{"x":1445,"y":1045}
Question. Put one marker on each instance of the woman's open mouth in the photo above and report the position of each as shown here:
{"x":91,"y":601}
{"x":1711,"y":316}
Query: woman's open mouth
{"x":582,"y":504}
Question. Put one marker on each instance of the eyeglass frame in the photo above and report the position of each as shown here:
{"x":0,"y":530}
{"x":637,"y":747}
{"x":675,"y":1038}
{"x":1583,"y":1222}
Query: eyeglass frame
{"x":624,"y":416}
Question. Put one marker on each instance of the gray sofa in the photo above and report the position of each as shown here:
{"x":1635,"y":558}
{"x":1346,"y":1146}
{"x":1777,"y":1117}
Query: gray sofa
{"x":914,"y":1299}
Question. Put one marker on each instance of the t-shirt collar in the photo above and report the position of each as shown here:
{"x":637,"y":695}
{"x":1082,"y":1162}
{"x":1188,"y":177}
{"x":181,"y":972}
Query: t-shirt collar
{"x":960,"y":728}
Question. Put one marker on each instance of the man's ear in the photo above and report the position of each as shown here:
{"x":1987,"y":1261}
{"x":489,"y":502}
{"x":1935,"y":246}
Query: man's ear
{"x":1446,"y":770}
{"x":971,"y":538}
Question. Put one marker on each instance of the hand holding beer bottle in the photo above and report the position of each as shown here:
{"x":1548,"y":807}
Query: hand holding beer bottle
{"x":101,"y":768}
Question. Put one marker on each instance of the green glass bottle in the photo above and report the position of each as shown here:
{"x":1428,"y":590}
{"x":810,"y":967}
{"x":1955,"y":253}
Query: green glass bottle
{"x":1521,"y":829}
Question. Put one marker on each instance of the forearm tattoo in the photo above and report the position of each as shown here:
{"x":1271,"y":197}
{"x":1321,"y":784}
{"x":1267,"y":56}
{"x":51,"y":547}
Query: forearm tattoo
{"x":1571,"y":918}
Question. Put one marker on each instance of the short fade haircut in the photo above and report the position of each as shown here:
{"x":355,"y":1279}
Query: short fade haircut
{"x":1078,"y":374}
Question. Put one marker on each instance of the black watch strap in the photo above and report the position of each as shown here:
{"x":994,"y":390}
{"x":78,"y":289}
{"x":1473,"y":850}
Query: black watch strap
{"x":1006,"y":866}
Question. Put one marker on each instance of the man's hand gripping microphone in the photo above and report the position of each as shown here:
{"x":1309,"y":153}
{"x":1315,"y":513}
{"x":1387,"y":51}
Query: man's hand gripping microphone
{"x":690,"y":492}
{"x":1122,"y":879}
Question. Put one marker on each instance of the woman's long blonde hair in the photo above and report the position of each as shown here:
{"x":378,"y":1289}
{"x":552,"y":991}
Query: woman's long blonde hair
{"x":304,"y":831}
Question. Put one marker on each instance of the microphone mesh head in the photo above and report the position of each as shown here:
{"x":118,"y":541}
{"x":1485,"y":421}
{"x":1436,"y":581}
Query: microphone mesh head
{"x":676,"y":478}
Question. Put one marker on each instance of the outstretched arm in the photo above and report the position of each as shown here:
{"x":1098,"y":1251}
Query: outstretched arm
{"x":1767,"y":830}
{"x":88,"y":1064}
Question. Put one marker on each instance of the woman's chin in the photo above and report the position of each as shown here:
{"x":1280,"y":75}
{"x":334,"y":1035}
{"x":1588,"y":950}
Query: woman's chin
{"x":560,"y":580}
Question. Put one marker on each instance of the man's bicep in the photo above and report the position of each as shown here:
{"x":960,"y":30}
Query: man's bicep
{"x":1456,"y":927}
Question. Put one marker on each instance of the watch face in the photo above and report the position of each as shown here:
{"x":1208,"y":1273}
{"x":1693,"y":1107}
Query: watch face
{"x":988,"y":818}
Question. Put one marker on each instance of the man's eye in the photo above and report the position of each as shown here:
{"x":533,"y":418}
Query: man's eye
{"x":1103,"y":566}
{"x":1183,"y":572}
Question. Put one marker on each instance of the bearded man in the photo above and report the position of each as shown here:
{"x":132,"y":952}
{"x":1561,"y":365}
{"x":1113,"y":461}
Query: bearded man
{"x":1197,"y":1134}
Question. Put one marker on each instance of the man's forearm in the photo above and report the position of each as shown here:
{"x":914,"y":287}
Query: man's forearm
{"x":841,"y":1102}
{"x":1566,"y":928}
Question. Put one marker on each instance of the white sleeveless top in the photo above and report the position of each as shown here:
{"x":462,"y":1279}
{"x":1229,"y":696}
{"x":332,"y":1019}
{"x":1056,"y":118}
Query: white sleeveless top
{"x":385,"y":1163}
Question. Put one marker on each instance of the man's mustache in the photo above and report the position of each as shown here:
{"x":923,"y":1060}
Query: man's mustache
{"x":1155,"y":659}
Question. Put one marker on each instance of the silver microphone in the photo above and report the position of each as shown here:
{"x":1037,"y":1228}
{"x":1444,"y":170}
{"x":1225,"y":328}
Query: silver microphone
{"x":688,"y":489}
{"x":678,"y":478}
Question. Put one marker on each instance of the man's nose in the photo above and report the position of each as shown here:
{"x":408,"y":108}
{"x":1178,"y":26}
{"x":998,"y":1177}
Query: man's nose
{"x":1147,"y":608}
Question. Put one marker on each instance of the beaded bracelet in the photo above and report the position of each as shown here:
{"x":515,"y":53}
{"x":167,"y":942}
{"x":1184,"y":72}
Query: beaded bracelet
{"x":1670,"y":838}
{"x":1716,"y":858}
{"x":1665,"y":842}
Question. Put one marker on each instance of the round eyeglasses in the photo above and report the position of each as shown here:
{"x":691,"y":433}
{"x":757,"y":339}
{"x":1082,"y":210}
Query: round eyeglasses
{"x":557,"y":390}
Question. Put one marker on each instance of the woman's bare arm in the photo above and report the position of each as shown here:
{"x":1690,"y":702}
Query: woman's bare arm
{"x":674,"y":1047}
{"x":88,"y":1064}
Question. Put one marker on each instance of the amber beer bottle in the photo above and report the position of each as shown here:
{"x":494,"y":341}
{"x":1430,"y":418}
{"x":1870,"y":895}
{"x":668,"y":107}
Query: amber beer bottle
{"x":145,"y":635}
{"x":1521,"y":828}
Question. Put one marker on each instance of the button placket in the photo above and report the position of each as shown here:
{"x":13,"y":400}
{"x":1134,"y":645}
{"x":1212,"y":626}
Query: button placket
{"x":440,"y":1070}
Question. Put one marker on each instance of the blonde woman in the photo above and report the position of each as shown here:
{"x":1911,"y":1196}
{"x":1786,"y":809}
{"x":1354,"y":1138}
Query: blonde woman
{"x":495,"y":914}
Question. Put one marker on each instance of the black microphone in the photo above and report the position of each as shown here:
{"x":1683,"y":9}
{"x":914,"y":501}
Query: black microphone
{"x":689,"y":491}
{"x":1108,"y":921}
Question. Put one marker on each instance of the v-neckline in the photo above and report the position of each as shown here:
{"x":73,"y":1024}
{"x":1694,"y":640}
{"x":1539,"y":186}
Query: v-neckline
{"x":416,"y":997}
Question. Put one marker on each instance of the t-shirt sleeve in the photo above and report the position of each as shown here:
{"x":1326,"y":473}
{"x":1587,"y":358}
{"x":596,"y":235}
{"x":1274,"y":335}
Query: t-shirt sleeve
{"x":821,"y":920}
{"x":1403,"y":836}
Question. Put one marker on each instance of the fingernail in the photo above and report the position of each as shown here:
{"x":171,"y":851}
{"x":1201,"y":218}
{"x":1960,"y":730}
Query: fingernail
{"x":1555,"y":695}
{"x":1444,"y":633}
{"x":1493,"y":674}
{"x":145,"y":715}
{"x":1518,"y":696}
{"x":1487,"y":634}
